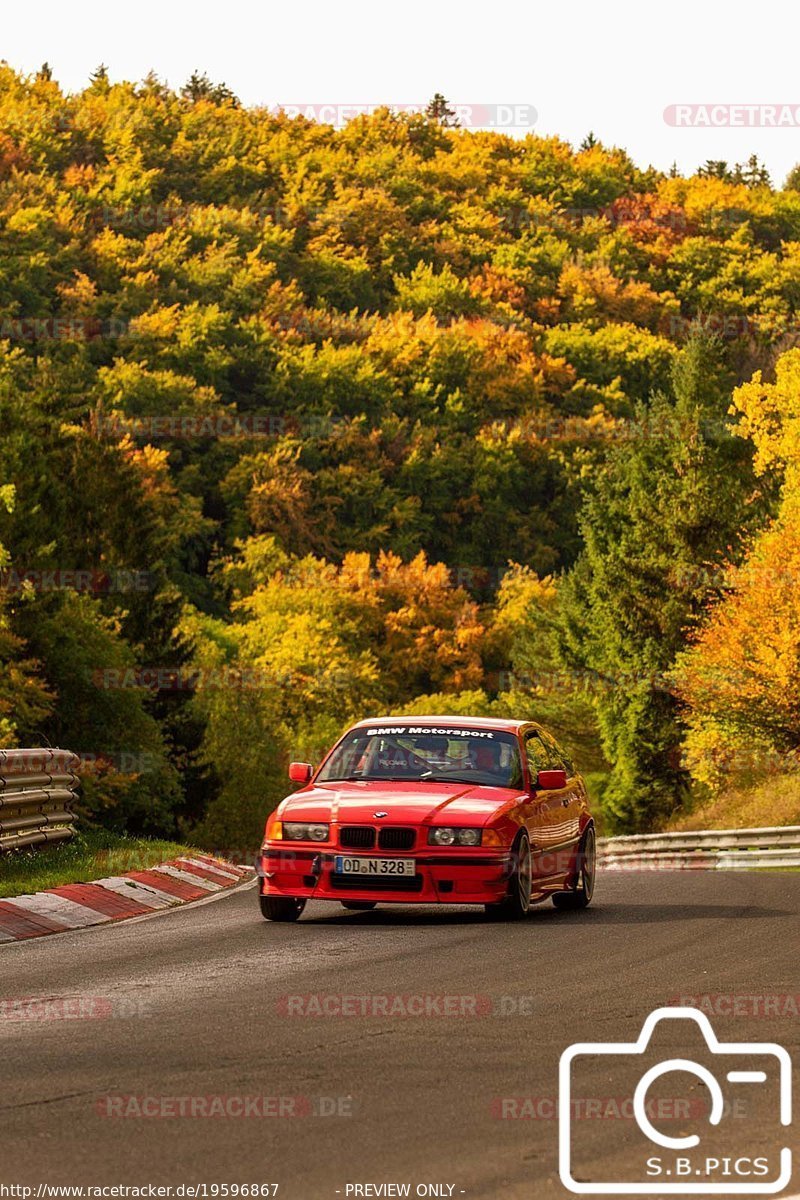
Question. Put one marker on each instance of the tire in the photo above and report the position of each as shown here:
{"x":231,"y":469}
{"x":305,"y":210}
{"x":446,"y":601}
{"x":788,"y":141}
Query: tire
{"x":280,"y":908}
{"x":359,"y":905}
{"x":580,"y":895}
{"x":518,"y":901}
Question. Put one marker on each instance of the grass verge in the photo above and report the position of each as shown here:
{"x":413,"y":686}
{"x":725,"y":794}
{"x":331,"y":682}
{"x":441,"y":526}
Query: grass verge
{"x":91,"y":854}
{"x":773,"y":802}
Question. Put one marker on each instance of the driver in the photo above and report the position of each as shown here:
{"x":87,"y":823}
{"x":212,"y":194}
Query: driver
{"x":487,"y":758}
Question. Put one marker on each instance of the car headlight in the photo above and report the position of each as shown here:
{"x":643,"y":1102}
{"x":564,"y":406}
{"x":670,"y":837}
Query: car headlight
{"x":445,"y":835}
{"x":304,"y":831}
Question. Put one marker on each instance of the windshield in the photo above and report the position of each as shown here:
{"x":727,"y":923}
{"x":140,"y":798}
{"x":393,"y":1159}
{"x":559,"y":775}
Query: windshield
{"x":415,"y":753}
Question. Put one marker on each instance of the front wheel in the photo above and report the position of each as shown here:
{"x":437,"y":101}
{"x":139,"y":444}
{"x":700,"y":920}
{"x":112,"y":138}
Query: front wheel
{"x":580,"y":895}
{"x":280,"y":908}
{"x":359,"y":905}
{"x":518,"y":901}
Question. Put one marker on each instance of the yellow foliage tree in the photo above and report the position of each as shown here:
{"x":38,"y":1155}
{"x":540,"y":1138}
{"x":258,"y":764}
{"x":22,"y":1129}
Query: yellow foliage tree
{"x":740,"y":679}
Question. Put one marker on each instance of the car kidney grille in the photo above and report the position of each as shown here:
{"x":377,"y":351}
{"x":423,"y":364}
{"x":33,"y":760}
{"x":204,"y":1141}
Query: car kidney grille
{"x":356,"y":835}
{"x":396,"y":838}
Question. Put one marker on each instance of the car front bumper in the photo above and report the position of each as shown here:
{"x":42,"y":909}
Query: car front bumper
{"x":456,"y":878}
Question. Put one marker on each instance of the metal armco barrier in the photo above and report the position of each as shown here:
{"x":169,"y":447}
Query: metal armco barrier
{"x":710,"y":849}
{"x":37,"y":791}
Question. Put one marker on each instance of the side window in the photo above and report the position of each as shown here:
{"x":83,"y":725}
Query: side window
{"x":557,"y":756}
{"x":537,"y":753}
{"x":569,"y":765}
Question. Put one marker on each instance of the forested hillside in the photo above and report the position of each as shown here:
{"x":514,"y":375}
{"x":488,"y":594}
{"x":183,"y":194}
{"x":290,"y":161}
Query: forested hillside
{"x":302,"y":424}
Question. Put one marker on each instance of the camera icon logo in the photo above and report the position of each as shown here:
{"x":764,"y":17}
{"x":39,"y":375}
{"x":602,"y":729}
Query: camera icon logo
{"x":666,"y":1164}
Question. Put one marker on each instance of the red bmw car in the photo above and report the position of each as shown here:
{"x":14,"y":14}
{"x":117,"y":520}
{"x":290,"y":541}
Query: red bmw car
{"x":432,"y":810}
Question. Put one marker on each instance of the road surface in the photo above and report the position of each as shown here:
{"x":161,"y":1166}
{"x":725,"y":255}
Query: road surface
{"x":212,"y":1006}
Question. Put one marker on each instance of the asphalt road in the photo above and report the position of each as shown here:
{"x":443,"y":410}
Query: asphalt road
{"x":192,"y":1004}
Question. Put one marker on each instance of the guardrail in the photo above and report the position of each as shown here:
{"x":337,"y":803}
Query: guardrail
{"x":37,"y":791}
{"x":709,"y":849}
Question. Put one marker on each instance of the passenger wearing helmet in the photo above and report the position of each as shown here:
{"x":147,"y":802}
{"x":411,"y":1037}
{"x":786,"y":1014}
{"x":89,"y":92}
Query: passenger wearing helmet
{"x":432,"y":752}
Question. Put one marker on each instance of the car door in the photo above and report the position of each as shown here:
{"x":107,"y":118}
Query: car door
{"x":573,"y":799}
{"x":547,"y":811}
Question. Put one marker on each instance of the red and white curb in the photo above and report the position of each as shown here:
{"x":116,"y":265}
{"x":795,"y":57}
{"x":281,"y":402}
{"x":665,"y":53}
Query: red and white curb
{"x":136,"y":894}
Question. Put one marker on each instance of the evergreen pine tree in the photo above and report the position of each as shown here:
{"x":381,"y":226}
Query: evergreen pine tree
{"x":659,"y":522}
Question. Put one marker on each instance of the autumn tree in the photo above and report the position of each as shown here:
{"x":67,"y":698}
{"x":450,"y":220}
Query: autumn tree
{"x":25,"y":700}
{"x":657,"y":524}
{"x":199,"y":87}
{"x":440,"y":111}
{"x":311,"y":648}
{"x":740,"y":678}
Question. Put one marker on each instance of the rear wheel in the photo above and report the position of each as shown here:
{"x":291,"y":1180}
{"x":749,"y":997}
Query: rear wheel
{"x":280,"y":908}
{"x":581,"y":893}
{"x":359,"y":905}
{"x":518,"y":901}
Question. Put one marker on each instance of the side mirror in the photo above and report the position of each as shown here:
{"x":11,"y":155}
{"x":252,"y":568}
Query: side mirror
{"x":551,"y":780}
{"x":300,"y":772}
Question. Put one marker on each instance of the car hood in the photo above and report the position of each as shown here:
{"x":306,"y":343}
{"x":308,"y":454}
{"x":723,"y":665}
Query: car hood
{"x":357,"y":802}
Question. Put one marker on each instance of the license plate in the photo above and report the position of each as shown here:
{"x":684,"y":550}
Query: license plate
{"x":374,"y":866}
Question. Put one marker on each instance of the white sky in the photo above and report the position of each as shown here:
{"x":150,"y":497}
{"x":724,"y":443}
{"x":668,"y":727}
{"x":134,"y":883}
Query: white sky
{"x":612,"y":66}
